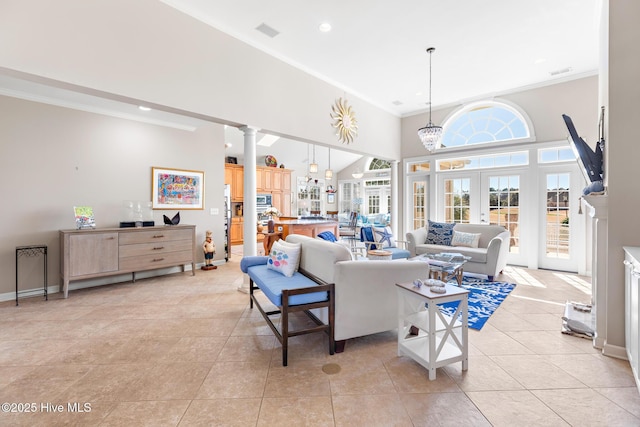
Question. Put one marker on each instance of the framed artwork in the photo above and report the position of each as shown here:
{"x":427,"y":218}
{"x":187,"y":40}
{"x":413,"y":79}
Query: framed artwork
{"x":177,"y":189}
{"x":331,"y":198}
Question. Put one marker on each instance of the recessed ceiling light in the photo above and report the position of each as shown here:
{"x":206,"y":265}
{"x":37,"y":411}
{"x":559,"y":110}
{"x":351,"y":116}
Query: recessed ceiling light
{"x":325,"y":27}
{"x":143,"y":108}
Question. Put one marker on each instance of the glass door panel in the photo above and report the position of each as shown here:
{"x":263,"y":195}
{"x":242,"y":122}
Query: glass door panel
{"x":418,"y":203}
{"x":456,"y":199}
{"x":504,"y":206}
{"x":501,"y":205}
{"x":558,"y":239}
{"x":557,"y":216}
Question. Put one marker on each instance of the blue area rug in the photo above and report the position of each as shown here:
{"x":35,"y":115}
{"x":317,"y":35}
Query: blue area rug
{"x":484,"y":298}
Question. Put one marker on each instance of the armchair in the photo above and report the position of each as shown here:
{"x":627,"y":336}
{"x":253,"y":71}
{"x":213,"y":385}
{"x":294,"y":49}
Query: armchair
{"x":384,"y":241}
{"x":348,"y":232}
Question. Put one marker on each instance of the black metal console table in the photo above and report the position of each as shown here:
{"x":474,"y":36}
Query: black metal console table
{"x":31,"y":251}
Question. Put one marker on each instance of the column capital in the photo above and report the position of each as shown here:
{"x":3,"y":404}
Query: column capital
{"x":251,"y":130}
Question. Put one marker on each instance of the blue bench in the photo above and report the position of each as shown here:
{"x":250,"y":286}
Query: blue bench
{"x":300,"y":293}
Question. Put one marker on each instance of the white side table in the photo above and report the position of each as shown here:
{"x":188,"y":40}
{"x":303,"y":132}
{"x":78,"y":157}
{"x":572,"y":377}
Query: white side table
{"x":441,"y":339}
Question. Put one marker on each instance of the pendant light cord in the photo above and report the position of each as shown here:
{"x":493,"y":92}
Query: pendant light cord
{"x":430,"y":50}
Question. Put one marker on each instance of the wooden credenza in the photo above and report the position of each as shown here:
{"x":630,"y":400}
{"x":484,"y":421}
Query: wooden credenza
{"x":86,"y":254}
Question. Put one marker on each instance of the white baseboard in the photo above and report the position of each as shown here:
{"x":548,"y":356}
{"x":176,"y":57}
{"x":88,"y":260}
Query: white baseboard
{"x":615,"y":351}
{"x":107,"y":280}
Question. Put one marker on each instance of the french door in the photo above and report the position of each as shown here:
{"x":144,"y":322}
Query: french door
{"x":418,"y":197}
{"x":560,"y":240}
{"x":487,"y":197}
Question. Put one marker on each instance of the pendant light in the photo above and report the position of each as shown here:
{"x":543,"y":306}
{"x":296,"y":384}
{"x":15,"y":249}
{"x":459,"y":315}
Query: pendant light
{"x":328,"y":173}
{"x":313,"y":167}
{"x":430,"y":134}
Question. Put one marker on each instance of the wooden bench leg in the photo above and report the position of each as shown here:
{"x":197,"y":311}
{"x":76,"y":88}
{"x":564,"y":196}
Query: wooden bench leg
{"x":250,"y":293}
{"x":285,"y":330}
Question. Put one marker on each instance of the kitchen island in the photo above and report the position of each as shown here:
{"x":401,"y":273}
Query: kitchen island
{"x":306,"y":227}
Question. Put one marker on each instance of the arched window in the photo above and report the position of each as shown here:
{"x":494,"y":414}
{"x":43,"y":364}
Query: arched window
{"x":377,"y":164}
{"x":485,"y":122}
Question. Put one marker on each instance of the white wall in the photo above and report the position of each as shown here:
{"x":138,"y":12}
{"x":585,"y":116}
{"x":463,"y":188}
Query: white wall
{"x":621,"y":94}
{"x":53,"y":158}
{"x":544,"y":106}
{"x":148,"y":51}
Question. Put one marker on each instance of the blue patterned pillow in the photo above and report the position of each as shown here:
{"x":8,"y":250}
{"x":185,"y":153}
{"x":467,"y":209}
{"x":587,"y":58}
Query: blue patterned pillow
{"x":439,"y":233}
{"x":328,"y":236}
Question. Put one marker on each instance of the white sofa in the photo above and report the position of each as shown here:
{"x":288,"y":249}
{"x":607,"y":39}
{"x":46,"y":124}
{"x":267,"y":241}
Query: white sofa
{"x":365,"y":292}
{"x":489,"y":258}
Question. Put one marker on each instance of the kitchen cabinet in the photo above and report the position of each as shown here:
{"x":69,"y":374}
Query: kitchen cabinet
{"x":286,"y":180}
{"x":264,"y":179}
{"x":286,"y":204}
{"x":276,"y":201}
{"x":237,"y":230}
{"x":237,"y":186}
{"x":269,"y":180}
{"x":309,"y":197}
{"x":228,"y":176}
{"x":234,"y":176}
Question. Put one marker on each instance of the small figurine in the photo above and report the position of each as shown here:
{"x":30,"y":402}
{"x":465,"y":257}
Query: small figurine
{"x":209,"y":250}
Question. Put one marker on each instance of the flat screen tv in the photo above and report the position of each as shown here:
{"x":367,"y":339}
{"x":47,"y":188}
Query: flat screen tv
{"x":590,"y":161}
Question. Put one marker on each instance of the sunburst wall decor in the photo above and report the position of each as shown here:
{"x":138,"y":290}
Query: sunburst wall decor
{"x":344,"y":121}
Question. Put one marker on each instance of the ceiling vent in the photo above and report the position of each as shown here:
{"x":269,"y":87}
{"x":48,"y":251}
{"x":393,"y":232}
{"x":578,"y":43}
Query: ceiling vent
{"x":397,"y":103}
{"x":561,"y":71}
{"x":267,"y":30}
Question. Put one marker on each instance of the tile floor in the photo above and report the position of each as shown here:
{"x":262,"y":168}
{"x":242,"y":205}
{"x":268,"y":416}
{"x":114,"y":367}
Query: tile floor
{"x":186,"y":350}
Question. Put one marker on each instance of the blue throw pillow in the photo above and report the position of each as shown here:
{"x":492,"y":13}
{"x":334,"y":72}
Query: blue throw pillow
{"x":327,"y":235}
{"x":439,"y":233}
{"x":366,"y":235}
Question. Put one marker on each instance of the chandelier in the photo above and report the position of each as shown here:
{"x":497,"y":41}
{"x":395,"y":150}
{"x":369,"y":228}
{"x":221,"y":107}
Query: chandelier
{"x":430,"y":134}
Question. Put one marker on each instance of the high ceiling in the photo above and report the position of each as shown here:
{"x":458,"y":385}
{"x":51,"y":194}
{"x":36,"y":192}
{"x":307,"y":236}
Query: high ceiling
{"x":376,"y":49}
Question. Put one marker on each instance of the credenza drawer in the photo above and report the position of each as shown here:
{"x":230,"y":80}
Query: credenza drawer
{"x":154,"y":236}
{"x":155,"y":248}
{"x":151,"y":261}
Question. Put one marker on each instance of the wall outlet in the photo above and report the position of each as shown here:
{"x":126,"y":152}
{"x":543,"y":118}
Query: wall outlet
{"x":215,"y":211}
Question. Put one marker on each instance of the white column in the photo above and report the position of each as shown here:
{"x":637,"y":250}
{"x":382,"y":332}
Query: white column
{"x":250,"y":233}
{"x":598,"y":210}
{"x":395,"y":213}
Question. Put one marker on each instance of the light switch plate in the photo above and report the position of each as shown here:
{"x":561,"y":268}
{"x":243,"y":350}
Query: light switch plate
{"x":214,"y":211}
